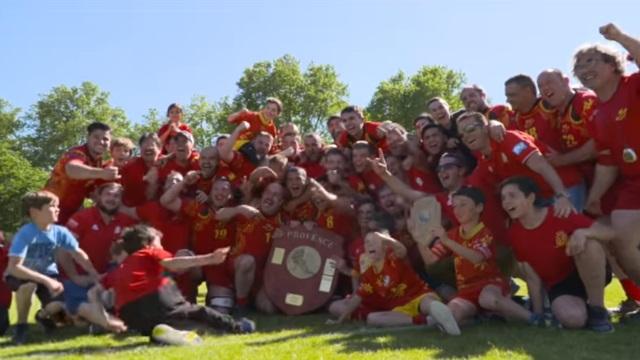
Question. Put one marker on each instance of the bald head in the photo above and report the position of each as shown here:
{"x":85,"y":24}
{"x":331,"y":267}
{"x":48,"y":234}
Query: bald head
{"x":554,"y":87}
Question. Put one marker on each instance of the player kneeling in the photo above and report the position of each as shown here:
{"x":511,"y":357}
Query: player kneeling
{"x":150,"y":303}
{"x":481,"y":285}
{"x":391,"y":291}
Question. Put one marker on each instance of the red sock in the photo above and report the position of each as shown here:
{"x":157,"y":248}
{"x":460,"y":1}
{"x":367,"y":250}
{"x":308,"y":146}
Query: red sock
{"x":631,"y":289}
{"x":242,"y":301}
{"x":419,"y":319}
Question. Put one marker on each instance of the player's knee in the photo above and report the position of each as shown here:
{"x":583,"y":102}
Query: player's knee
{"x":245,"y":263}
{"x":570,"y":317}
{"x":488,"y":300}
{"x":26,"y":289}
{"x":265,"y":306}
{"x":374,"y":319}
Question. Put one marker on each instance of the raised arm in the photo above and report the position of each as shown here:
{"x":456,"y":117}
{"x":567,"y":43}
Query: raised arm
{"x":226,"y":152}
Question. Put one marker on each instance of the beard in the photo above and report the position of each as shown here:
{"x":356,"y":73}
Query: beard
{"x":107,"y":211}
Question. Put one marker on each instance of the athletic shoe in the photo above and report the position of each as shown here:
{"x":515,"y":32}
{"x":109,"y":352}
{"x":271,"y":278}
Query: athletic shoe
{"x":165,"y":334}
{"x":245,"y":326}
{"x":47,"y":323}
{"x":20,"y":334}
{"x":241,"y":311}
{"x":598,"y":320}
{"x":628,"y":306}
{"x":444,"y":318}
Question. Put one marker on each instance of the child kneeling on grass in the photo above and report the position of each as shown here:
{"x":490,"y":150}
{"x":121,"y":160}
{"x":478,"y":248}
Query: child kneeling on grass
{"x":392,"y":291}
{"x":150,"y":303}
{"x":481,"y":285}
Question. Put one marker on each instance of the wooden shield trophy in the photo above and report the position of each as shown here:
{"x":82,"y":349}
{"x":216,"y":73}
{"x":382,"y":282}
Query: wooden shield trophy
{"x":425,"y":214}
{"x":300,"y":275}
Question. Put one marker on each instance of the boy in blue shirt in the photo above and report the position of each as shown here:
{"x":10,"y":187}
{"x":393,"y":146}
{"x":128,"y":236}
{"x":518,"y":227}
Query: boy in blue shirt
{"x":32,"y":265}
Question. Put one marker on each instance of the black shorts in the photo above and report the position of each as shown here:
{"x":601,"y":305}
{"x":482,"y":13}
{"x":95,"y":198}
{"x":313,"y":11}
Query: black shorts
{"x":168,"y":306}
{"x":42,"y":292}
{"x":572,"y":285}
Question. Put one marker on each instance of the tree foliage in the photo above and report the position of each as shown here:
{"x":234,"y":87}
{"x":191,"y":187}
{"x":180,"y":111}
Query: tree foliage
{"x":308,"y":97}
{"x":59,"y":120}
{"x":401,"y":98}
{"x":18,"y":177}
{"x":10,"y":123}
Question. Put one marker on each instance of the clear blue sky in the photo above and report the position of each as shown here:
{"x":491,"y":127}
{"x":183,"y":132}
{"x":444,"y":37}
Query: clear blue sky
{"x":148,"y":54}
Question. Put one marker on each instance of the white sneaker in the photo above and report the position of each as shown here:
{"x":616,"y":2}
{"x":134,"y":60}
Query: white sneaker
{"x":444,"y":318}
{"x":165,"y":334}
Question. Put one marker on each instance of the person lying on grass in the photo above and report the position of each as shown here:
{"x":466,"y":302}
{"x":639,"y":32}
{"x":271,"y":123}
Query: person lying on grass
{"x":481,"y":285}
{"x":145,"y":297}
{"x":392,"y":291}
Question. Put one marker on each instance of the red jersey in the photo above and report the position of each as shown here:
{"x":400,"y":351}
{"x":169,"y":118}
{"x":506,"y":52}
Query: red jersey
{"x":502,"y":113}
{"x":174,"y":228}
{"x":338,"y":223}
{"x":172,"y":165}
{"x":209,"y":234}
{"x":253,"y":236}
{"x":509,"y":156}
{"x":395,"y":284}
{"x":134,"y":188}
{"x":369,"y":134}
{"x":372,"y":181}
{"x":544,"y":247}
{"x":95,"y":237}
{"x":140,"y":274}
{"x":5,"y":292}
{"x":314,"y":170}
{"x":166,"y":126}
{"x":304,"y":212}
{"x":240,"y":166}
{"x":541,"y":123}
{"x":257,"y":123}
{"x":357,"y":184}
{"x":574,"y":122}
{"x":467,"y":273}
{"x":355,"y":248}
{"x":424,"y":181}
{"x":618,"y":121}
{"x":71,"y":192}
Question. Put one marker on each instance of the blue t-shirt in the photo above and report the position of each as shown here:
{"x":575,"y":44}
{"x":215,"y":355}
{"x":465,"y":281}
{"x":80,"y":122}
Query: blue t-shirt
{"x":38,"y":247}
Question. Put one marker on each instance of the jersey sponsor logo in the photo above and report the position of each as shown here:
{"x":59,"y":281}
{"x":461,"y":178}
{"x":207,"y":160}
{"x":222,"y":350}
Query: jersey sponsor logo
{"x":520,"y":147}
{"x":561,"y":239}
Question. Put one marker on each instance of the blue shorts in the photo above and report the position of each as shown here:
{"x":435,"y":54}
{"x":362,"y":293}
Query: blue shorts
{"x":74,"y":296}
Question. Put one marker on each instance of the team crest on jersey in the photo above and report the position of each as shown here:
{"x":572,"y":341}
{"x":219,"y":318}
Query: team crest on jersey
{"x":561,"y":239}
{"x":519,"y":148}
{"x":95,"y":227}
{"x":419,"y":181}
{"x":587,"y":105}
{"x":622,"y":114}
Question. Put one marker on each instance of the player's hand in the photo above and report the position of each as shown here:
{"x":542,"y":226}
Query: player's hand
{"x":191,"y":177}
{"x":174,"y":128}
{"x":151,"y":176}
{"x":201,"y":197}
{"x":554,"y":158}
{"x":243,"y":126}
{"x":379,"y":165}
{"x":576,"y":243}
{"x":497,"y":130}
{"x":562,"y":208}
{"x":163,"y":160}
{"x":593,"y":207}
{"x":333,"y":322}
{"x":438,"y":232}
{"x":250,"y":212}
{"x":55,"y":287}
{"x":218,"y":256}
{"x":610,"y":32}
{"x":341,"y":264}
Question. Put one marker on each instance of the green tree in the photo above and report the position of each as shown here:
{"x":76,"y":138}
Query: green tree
{"x":401,"y":98}
{"x":308,"y":97}
{"x":18,"y":177}
{"x":59,"y":120}
{"x":10,"y":123}
{"x":207,"y":120}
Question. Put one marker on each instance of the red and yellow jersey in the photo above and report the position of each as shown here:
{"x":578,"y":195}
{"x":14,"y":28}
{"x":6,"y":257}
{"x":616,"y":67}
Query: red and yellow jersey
{"x":339,"y":223}
{"x":425,"y":181}
{"x":314,"y":170}
{"x":502,"y":113}
{"x":257,"y":123}
{"x":134,"y":188}
{"x":304,"y":212}
{"x":541,"y":123}
{"x":240,"y":166}
{"x":71,"y":192}
{"x":172,"y":165}
{"x":509,"y":156}
{"x":467,"y":273}
{"x":253,"y":236}
{"x":164,"y":128}
{"x":617,"y":124}
{"x":390,"y":285}
{"x":208,"y":234}
{"x":544,"y":247}
{"x":574,"y":122}
{"x":369,"y":134}
{"x":175,"y":228}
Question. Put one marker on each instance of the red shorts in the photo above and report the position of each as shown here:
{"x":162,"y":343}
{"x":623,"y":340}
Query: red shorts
{"x":628,"y":195}
{"x":472,"y":292}
{"x":218,"y":275}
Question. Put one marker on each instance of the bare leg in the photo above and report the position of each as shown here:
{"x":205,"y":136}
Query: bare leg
{"x":462,"y":309}
{"x":491,"y":299}
{"x":24,"y":294}
{"x":626,"y":223}
{"x":245,"y":271}
{"x":388,"y":318}
{"x":591,"y":264}
{"x":263,"y":303}
{"x":570,"y":311}
{"x":95,"y":313}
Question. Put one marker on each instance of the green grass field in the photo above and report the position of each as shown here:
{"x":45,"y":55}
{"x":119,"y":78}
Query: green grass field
{"x":307,"y":337}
